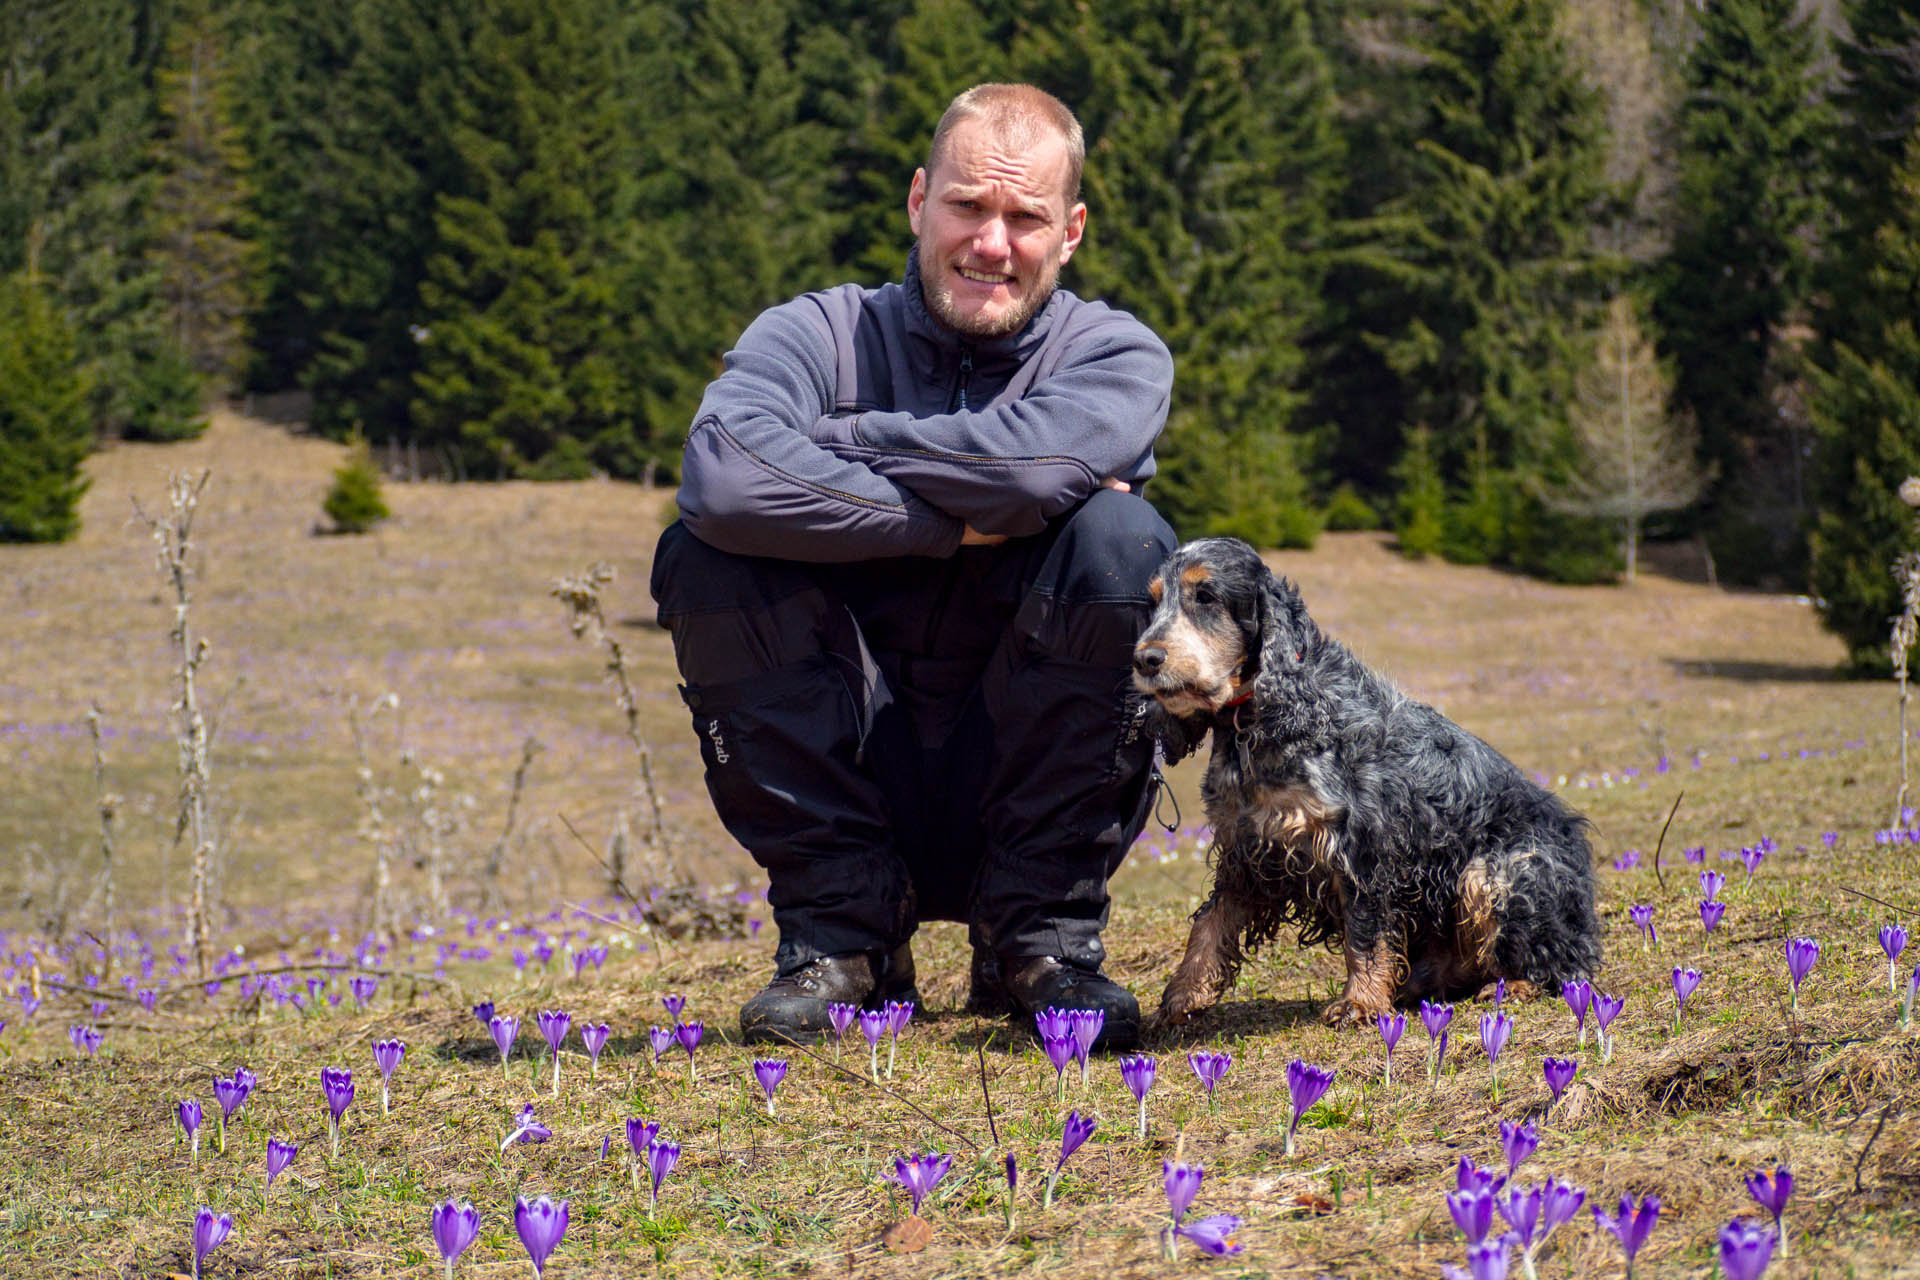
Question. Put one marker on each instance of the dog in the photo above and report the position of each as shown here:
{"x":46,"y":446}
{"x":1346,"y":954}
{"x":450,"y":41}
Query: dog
{"x":1339,"y":805}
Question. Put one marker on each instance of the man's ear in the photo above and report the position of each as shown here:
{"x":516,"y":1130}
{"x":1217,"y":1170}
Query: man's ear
{"x":916,"y":199}
{"x":1076,"y":227}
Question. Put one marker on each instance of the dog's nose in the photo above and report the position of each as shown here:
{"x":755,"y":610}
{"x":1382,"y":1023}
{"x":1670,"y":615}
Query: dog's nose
{"x":1149,"y":658}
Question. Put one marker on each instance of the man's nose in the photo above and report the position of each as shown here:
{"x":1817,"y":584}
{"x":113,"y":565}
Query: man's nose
{"x":990,"y":239}
{"x":1149,"y":658}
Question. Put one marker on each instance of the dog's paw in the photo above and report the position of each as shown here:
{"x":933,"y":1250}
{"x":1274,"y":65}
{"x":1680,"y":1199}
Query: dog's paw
{"x":1179,"y":1005}
{"x":1348,"y":1012}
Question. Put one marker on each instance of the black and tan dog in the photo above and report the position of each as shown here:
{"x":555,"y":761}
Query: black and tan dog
{"x":1341,"y":806}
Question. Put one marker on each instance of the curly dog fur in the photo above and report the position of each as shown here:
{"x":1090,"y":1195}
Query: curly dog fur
{"x":1365,"y":820}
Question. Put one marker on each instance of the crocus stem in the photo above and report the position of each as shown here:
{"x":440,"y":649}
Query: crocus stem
{"x":1143,"y":1119}
{"x":196,"y":1151}
{"x":386,"y":1102}
{"x":1060,"y":1086}
{"x":653,"y":1203}
{"x":893,"y":1043}
{"x":1494,"y":1071}
{"x":1046,"y":1198}
{"x":1780,"y":1230}
{"x":1166,"y":1240}
{"x":449,"y":1262}
{"x":873,"y":1061}
{"x":633,"y":1167}
{"x":692,"y":1077}
{"x":1290,"y":1128}
{"x":1387,"y":1079}
{"x":1526,"y":1265}
{"x":1083,"y":1073}
{"x":769,"y":1104}
{"x":556,"y":1073}
{"x":220,"y":1127}
{"x":333,"y":1132}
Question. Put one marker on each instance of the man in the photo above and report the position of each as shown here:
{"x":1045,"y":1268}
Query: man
{"x":905,"y":587}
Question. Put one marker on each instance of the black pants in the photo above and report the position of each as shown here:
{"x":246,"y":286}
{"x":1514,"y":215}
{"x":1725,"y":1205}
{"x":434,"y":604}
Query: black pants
{"x":917,"y":739}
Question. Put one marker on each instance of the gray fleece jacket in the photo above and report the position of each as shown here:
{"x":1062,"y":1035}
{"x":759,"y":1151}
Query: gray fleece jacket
{"x":851,"y":425}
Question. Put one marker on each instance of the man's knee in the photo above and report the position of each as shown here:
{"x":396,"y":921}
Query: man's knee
{"x":691,"y":577}
{"x":1108,"y":549}
{"x":733,"y":617}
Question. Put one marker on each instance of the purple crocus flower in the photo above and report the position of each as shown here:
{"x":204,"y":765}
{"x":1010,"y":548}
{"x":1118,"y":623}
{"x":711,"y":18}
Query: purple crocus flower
{"x":1496,"y":1029}
{"x":688,"y":1034}
{"x":147,"y":997}
{"x":662,"y":1155}
{"x":1306,"y":1085}
{"x":1893,"y":940}
{"x":526,"y":1129}
{"x":1710,"y":913}
{"x":1211,"y":1066}
{"x":1392,"y":1027}
{"x":87,"y":1039}
{"x":1074,"y":1134}
{"x":1559,"y":1073}
{"x":1605,"y":1009}
{"x":1751,"y":857}
{"x":1213,"y":1234}
{"x":484,"y":1012}
{"x":187,"y":1111}
{"x":1435,"y":1018}
{"x":386,"y":1056}
{"x":841,"y":1016}
{"x":1086,"y":1029}
{"x":594,"y":1035}
{"x":1801,"y":953}
{"x":1136,"y":1072}
{"x":1560,"y":1202}
{"x":920,"y":1174}
{"x":1711,"y":883}
{"x":1013,"y":1186}
{"x":1472,"y":1211}
{"x":542,"y":1225}
{"x":1518,"y":1141}
{"x":1641,"y":914}
{"x":279,"y":1155}
{"x":661,"y":1038}
{"x":363,"y":989}
{"x":1182,"y":1183}
{"x":455,"y":1227}
{"x":554,"y":1025}
{"x":1579,"y":997}
{"x":1060,"y":1050}
{"x":209,"y":1230}
{"x":1053,"y":1022}
{"x":640,"y":1136}
{"x":505,"y":1031}
{"x":1685,"y":983}
{"x":1468,"y":1176}
{"x":1771,"y":1193}
{"x":769,"y":1072}
{"x":673,"y":1004}
{"x":1745,"y":1250}
{"x":1632,"y":1227}
{"x":874,"y":1024}
{"x":1486,"y":1260}
{"x":336,"y":1086}
{"x":899,"y":1014}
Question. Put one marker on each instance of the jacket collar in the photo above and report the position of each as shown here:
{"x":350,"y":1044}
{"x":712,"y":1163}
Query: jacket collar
{"x":941,"y":344}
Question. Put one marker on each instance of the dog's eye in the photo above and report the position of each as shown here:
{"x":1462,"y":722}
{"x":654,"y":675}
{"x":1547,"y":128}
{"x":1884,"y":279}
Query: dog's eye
{"x":1204,"y":594}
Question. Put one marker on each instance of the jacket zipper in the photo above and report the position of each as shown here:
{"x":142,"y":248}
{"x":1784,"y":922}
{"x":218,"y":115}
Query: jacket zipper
{"x":959,"y":400}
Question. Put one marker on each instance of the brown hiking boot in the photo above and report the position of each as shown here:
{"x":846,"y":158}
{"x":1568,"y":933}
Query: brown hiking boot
{"x":1048,"y":982}
{"x":792,"y":1009}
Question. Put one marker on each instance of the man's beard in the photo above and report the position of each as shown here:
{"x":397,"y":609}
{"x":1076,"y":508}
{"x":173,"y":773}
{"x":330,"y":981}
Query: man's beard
{"x":933,"y":286}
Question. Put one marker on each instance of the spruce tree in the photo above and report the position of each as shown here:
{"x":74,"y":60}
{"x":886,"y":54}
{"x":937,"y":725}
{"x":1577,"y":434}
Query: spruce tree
{"x":354,"y":502}
{"x":76,"y":189}
{"x":1751,"y":131}
{"x":204,"y":241}
{"x":1211,"y":160}
{"x":1866,"y":409}
{"x":519,"y":307}
{"x":1496,"y":259}
{"x":45,"y":429}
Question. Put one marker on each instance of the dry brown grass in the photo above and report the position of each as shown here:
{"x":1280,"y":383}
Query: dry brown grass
{"x":447,"y":607}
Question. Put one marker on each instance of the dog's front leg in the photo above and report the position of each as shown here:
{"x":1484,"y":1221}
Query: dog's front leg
{"x":1376,"y":958}
{"x":1211,"y":961}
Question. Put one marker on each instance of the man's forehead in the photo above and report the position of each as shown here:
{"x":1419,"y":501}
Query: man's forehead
{"x":1031,"y":161}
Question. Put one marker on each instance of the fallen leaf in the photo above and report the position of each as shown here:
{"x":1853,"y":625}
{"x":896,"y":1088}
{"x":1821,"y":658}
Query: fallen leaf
{"x":909,"y":1236}
{"x":1317,"y":1204}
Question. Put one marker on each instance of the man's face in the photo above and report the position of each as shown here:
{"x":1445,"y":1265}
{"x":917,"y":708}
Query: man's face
{"x":994,"y":229}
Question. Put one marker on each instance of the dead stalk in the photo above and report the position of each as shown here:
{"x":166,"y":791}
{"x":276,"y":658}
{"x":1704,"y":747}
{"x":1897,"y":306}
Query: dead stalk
{"x":109,"y":805}
{"x":581,"y":596}
{"x":373,"y":819}
{"x":173,"y":538}
{"x":497,"y":856}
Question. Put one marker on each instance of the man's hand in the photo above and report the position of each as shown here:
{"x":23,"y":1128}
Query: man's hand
{"x":1112,"y":483}
{"x":972,"y":537}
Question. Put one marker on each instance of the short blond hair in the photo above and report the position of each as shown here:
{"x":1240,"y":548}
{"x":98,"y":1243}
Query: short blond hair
{"x":1017,"y":114}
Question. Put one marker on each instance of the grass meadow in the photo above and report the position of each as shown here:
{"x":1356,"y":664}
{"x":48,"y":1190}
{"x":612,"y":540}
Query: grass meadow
{"x":1621,"y":698}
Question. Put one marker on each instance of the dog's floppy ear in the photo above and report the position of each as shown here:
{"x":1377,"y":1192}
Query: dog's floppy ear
{"x":1289,"y":703}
